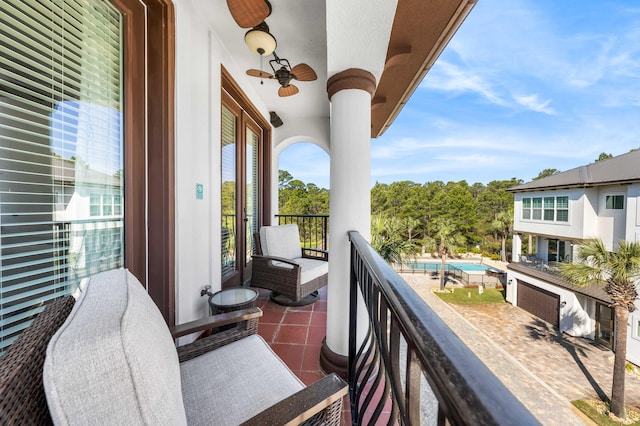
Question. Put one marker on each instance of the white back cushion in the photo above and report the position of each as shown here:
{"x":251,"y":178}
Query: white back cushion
{"x":281,"y":241}
{"x":113,"y":361}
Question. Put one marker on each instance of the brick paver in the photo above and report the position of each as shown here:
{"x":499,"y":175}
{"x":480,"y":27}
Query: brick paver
{"x":541,"y":367}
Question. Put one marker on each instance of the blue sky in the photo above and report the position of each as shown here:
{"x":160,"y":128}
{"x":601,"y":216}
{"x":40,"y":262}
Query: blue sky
{"x":524,"y":85}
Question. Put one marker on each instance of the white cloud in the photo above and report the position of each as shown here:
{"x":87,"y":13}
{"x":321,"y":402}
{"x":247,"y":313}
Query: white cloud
{"x":451,"y":78}
{"x":534,"y":104}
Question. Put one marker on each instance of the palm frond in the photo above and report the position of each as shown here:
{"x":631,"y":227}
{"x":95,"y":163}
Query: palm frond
{"x":580,"y":274}
{"x":618,"y":271}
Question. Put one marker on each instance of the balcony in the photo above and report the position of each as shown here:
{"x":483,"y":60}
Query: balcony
{"x":408,"y":365}
{"x":550,"y":272}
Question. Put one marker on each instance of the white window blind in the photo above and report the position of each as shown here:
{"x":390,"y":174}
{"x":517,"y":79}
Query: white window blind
{"x":228,"y":154}
{"x":251,"y":208}
{"x":60,"y":151}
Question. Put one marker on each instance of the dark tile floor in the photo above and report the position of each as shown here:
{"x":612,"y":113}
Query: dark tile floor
{"x":295,"y":333}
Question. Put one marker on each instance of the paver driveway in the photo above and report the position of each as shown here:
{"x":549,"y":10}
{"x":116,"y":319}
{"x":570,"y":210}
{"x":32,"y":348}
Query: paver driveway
{"x":559,"y":366}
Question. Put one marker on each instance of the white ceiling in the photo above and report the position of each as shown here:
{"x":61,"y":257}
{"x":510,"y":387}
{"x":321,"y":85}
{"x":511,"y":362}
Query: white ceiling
{"x":299,"y":28}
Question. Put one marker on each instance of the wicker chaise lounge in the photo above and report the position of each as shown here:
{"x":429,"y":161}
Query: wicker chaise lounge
{"x":113,"y":361}
{"x":294,"y":274}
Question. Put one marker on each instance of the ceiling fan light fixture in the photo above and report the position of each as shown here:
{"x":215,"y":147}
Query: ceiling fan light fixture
{"x":260,"y":41}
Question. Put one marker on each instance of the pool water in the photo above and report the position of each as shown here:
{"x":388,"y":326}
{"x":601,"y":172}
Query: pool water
{"x":435,"y":266}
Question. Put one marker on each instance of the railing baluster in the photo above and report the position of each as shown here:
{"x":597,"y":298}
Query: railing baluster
{"x":413,"y":387}
{"x":313,"y":228}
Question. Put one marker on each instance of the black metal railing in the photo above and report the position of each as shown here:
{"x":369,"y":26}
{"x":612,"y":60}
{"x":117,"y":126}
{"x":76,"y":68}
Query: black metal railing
{"x":314,"y":228}
{"x":410,"y":361}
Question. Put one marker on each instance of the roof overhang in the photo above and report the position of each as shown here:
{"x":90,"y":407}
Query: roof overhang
{"x":421,"y":30}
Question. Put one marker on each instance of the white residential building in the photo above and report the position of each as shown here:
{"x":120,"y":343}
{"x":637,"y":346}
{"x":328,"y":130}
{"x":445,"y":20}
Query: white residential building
{"x":599,"y":200}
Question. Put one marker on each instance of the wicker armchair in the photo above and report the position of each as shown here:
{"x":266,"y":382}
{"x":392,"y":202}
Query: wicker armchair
{"x":292,"y":273}
{"x":115,"y":350}
{"x":22,"y":398}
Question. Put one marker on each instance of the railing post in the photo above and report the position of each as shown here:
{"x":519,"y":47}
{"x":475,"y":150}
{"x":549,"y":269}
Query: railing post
{"x":353,"y":331}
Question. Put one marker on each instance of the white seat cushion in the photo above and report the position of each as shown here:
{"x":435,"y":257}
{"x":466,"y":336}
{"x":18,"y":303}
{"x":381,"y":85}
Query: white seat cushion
{"x":281,"y":241}
{"x":113,"y":361}
{"x":312,"y":268}
{"x":235,"y":382}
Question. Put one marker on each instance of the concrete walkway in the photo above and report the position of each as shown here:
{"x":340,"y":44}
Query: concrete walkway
{"x":542,"y":368}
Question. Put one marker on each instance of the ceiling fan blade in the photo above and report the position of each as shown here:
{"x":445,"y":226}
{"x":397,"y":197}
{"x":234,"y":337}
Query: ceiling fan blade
{"x":303,"y":72}
{"x":248,"y":13}
{"x":287,"y":91}
{"x":259,"y":74}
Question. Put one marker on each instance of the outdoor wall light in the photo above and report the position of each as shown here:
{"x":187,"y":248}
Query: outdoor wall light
{"x":509,"y":282}
{"x":563,"y":303}
{"x":259,"y":40}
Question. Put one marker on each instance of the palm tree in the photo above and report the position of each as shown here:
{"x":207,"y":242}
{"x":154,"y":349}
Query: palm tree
{"x":446,"y":240}
{"x":502,"y":225}
{"x":619,"y":271}
{"x":387,"y":238}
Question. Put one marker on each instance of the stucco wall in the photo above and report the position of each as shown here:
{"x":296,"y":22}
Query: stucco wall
{"x":633,"y":213}
{"x":611,"y":222}
{"x":633,"y":336}
{"x":199,"y":56}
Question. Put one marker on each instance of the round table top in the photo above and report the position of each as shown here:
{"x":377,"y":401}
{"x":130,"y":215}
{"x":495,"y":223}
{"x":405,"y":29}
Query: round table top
{"x":234,"y":296}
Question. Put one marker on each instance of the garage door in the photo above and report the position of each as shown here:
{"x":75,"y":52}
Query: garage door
{"x":541,"y":303}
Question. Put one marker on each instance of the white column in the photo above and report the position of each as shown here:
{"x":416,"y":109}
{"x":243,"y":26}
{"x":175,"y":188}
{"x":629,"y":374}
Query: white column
{"x":350,"y":195}
{"x":516,"y":247}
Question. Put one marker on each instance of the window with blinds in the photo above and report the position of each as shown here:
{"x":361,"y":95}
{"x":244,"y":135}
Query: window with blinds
{"x":251,"y":207}
{"x":228,"y":191}
{"x":61,"y":151}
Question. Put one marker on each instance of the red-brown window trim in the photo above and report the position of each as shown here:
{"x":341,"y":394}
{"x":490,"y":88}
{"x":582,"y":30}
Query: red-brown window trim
{"x":149,"y":146}
{"x":230,"y":86}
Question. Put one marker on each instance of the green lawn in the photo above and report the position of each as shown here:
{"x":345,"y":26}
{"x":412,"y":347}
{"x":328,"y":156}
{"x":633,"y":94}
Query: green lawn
{"x":595,"y":414}
{"x":470,"y":296}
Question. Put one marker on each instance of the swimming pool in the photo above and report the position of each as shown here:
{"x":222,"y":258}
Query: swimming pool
{"x":435,"y":266}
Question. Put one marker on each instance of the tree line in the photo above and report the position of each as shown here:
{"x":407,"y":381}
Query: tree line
{"x":410,"y":218}
{"x":406,"y":213}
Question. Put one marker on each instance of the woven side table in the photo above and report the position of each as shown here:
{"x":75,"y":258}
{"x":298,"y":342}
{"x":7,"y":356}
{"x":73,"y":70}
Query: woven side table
{"x":232,"y":299}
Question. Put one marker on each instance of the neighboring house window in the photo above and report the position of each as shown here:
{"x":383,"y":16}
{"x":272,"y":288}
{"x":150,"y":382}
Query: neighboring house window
{"x":117,"y":205}
{"x":95,"y":204}
{"x":107,"y":205}
{"x":548,"y":209}
{"x":562,"y":209}
{"x":537,"y":209}
{"x":614,"y":202}
{"x":526,"y":208}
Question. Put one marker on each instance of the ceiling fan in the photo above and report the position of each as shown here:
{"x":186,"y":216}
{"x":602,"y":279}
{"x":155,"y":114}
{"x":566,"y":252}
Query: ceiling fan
{"x":284,"y":74}
{"x":249,"y":13}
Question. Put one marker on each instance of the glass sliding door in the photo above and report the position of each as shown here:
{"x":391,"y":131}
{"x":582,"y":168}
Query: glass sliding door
{"x":251,"y":192}
{"x":229,"y":194}
{"x":242,"y":160}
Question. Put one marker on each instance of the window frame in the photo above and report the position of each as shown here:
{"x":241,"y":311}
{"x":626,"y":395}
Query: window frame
{"x":149,"y":208}
{"x":526,"y":209}
{"x":545,"y":209}
{"x":562,"y":209}
{"x":614,"y":198}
